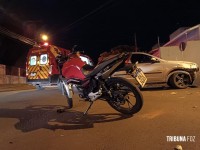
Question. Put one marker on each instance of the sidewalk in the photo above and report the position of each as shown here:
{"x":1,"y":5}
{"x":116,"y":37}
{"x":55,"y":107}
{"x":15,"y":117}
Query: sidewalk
{"x":15,"y":87}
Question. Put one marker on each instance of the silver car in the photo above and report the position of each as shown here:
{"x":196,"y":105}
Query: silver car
{"x":177,"y":74}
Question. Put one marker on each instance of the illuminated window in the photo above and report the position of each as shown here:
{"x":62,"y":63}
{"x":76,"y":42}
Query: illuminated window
{"x":43,"y":59}
{"x":33,"y":60}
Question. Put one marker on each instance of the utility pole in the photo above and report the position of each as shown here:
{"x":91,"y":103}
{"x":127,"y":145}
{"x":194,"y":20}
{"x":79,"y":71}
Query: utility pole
{"x":135,"y":40}
{"x":158,"y":42}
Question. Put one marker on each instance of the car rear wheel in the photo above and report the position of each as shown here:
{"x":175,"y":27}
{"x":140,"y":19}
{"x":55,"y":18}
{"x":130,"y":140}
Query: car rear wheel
{"x":179,"y":80}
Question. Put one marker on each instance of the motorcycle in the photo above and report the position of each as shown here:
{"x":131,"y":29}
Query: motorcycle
{"x":77,"y":77}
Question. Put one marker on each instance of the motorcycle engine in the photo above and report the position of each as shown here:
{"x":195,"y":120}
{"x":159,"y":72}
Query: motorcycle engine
{"x":92,"y":90}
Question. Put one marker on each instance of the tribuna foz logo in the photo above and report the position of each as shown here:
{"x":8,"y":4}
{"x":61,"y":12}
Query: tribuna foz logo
{"x":180,"y":138}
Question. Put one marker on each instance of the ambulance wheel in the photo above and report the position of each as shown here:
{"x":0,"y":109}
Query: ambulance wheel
{"x":38,"y":87}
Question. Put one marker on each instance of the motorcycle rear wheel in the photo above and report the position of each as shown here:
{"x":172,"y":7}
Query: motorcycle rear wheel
{"x":126,"y":97}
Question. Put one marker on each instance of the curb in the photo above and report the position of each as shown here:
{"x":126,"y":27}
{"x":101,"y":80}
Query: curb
{"x":15,"y":87}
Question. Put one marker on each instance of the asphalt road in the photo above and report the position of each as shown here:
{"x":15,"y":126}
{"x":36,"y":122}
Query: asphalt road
{"x":29,"y":121}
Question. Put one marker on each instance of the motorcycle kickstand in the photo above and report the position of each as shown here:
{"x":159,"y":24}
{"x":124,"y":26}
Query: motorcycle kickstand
{"x":91,"y":102}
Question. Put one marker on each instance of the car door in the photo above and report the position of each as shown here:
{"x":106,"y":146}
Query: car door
{"x":152,"y":67}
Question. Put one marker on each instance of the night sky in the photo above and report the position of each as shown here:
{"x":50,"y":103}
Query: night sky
{"x":94,"y":25}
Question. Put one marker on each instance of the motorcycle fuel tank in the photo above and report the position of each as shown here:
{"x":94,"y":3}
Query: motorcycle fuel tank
{"x":72,"y":69}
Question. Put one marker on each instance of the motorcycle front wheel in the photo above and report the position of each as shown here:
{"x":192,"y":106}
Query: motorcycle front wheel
{"x":124,"y":97}
{"x":69,"y":100}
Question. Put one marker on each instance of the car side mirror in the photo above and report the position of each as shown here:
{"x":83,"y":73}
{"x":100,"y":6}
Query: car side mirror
{"x":154,"y":60}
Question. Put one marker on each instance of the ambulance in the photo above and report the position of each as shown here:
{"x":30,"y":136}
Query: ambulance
{"x":41,"y":65}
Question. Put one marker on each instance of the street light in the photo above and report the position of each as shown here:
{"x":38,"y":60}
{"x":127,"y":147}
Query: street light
{"x":44,"y":40}
{"x":44,"y":37}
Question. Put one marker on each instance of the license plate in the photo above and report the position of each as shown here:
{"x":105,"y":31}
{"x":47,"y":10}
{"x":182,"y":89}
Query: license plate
{"x":140,"y":77}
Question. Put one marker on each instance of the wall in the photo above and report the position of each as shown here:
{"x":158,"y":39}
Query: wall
{"x":191,"y":53}
{"x":10,"y":79}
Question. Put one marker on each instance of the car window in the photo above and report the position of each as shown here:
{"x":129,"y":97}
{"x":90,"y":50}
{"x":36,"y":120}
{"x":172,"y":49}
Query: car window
{"x":141,"y":58}
{"x":33,"y":60}
{"x":43,"y":59}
